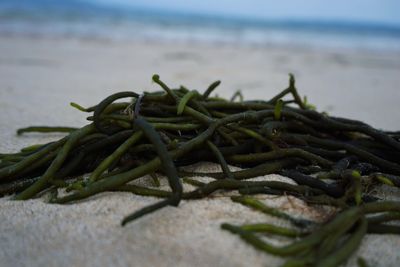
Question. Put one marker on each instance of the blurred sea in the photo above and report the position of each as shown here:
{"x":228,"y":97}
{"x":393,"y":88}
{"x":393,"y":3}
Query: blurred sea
{"x":86,"y":19}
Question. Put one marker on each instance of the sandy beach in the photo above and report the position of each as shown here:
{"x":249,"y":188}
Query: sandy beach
{"x":40,"y":76}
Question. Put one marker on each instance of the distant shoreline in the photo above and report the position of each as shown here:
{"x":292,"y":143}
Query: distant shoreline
{"x":200,"y":43}
{"x":81,"y":20}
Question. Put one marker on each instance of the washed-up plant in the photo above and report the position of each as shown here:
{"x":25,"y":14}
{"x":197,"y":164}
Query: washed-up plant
{"x":333,"y":161}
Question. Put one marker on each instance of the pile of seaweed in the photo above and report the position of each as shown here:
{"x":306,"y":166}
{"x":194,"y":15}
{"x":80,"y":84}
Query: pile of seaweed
{"x":335,"y":162}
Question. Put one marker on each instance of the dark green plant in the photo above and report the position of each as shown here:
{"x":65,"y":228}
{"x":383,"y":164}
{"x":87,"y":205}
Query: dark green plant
{"x":334,"y":161}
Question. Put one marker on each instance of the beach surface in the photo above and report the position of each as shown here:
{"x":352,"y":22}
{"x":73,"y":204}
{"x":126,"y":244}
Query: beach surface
{"x":40,"y":76}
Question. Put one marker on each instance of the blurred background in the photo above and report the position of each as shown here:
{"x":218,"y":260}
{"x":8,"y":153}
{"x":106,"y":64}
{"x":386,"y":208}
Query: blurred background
{"x":345,"y":54}
{"x":369,"y":24}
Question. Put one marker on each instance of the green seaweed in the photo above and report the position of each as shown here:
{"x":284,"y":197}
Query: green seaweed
{"x":331,"y":161}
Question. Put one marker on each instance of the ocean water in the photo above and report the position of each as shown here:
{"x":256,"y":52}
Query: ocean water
{"x":86,"y":19}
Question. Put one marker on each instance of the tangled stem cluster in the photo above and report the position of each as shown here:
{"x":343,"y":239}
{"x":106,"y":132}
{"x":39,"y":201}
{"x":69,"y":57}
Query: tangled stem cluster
{"x":333,"y":161}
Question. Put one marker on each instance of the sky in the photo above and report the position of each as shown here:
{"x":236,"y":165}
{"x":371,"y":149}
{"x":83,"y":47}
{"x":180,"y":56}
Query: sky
{"x":364,"y":11}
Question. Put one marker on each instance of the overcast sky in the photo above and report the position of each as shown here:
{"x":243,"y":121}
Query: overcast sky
{"x":374,"y":11}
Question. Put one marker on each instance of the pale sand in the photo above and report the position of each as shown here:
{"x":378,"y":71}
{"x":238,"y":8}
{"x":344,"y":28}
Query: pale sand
{"x":38,"y":77}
